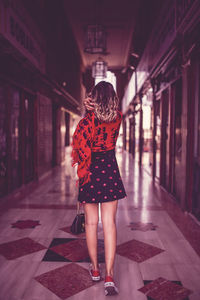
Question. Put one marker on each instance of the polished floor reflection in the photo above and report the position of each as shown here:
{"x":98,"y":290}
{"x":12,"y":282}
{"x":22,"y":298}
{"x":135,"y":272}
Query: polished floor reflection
{"x":158,"y":248}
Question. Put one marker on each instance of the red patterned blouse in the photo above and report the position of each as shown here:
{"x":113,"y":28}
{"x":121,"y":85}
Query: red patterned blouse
{"x":92,"y":135}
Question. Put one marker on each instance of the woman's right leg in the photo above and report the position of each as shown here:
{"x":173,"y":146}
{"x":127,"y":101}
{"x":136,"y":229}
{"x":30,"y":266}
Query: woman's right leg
{"x":91,"y":224}
{"x":108,"y":216}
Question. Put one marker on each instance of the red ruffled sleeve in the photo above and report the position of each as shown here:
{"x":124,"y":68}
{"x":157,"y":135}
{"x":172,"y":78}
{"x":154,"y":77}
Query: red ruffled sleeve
{"x":81,"y":148}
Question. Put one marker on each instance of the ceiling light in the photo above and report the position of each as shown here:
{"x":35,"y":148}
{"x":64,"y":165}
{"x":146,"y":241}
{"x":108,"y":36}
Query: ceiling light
{"x":132,"y":67}
{"x":99,"y":69}
{"x":95,"y":40}
{"x":135,"y":54}
{"x":124,"y":70}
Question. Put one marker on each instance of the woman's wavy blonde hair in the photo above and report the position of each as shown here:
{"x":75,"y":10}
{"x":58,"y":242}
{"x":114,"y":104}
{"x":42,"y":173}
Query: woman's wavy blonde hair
{"x":105,"y":101}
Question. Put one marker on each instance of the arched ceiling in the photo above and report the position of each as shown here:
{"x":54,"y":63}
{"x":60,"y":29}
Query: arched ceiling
{"x":127,"y":22}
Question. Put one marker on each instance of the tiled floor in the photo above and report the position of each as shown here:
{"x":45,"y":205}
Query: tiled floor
{"x":158,"y":246}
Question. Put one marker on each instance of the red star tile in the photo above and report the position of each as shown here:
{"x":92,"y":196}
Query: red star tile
{"x":66,"y":281}
{"x":22,"y":224}
{"x":161,"y":288}
{"x":18,"y":248}
{"x":137,"y":251}
{"x":75,"y":250}
{"x":59,"y":251}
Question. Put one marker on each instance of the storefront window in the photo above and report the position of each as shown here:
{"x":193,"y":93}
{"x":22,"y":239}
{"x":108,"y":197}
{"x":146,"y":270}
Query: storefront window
{"x":127,"y":134}
{"x":15,"y":135}
{"x":29,"y":138}
{"x":198,"y":130}
{"x":178,"y":126}
{"x":158,"y":134}
{"x":147,"y":137}
{"x":137,"y":133}
{"x":158,"y":137}
{"x":3,"y":146}
{"x":196,"y":170}
{"x":165,"y":134}
{"x":176,"y":166}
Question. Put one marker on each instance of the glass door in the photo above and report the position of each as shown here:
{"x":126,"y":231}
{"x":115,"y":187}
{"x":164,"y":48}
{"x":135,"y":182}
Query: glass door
{"x":196,"y":180}
{"x":178,"y":139}
{"x":157,"y":138}
{"x":164,"y":164}
{"x":15,"y":162}
{"x":3,"y":142}
{"x":175,"y":156}
{"x":28,"y":122}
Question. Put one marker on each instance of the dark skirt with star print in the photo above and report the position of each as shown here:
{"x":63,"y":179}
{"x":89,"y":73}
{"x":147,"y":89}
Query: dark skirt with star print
{"x":106,"y":183}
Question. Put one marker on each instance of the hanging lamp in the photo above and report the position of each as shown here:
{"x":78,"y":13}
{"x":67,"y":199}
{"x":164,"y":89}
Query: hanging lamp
{"x":95,"y":39}
{"x":99,"y":68}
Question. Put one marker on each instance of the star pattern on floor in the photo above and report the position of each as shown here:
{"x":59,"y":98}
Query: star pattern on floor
{"x":72,"y":250}
{"x":162,"y":288}
{"x":137,"y":251}
{"x":23,"y":224}
{"x":18,"y":248}
{"x":142,"y":226}
{"x":66,"y":281}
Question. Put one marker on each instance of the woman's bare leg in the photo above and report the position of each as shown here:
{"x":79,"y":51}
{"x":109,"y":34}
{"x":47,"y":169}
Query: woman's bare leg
{"x":108,"y":215}
{"x":91,"y":224}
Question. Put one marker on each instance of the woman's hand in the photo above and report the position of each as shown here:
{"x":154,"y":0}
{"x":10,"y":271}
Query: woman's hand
{"x":89,"y":104}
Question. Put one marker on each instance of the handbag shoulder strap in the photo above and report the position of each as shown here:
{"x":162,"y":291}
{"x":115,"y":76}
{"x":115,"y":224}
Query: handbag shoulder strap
{"x":78,"y":209}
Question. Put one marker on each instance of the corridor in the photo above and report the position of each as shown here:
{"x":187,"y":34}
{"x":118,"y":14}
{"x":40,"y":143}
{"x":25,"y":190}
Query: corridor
{"x":157,"y":244}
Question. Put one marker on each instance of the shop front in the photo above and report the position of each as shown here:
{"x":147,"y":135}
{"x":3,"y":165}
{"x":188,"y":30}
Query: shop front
{"x":17,"y":137}
{"x":170,"y":63}
{"x":35,"y":108}
{"x":192,"y":198}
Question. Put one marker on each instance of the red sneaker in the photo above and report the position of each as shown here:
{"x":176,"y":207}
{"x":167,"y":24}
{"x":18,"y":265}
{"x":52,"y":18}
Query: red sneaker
{"x":110,"y":287}
{"x":95,"y":274}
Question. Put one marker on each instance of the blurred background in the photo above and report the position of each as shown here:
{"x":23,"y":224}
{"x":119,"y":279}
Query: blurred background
{"x":53,"y":52}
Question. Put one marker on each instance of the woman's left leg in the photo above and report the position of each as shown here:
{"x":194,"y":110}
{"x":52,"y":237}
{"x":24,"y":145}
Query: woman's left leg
{"x":91,"y":224}
{"x":108,"y":216}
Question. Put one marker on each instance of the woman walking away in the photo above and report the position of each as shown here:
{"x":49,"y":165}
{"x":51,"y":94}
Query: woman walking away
{"x":93,"y":148}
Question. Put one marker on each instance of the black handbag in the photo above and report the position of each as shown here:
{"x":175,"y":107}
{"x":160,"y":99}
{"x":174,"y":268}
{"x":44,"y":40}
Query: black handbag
{"x":78,"y":225}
